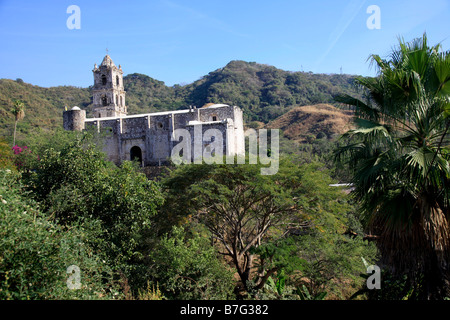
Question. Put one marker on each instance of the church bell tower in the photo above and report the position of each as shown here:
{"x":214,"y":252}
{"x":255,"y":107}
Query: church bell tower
{"x":108,"y":93}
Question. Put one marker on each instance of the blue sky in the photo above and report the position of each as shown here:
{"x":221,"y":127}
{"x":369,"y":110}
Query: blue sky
{"x":180,"y":41}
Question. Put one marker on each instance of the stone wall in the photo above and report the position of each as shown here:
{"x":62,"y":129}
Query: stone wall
{"x":153,"y":133}
{"x":74,"y":120}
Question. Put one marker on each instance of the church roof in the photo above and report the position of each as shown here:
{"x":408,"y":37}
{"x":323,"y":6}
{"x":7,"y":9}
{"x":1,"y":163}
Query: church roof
{"x":107,"y":61}
{"x":217,"y":105}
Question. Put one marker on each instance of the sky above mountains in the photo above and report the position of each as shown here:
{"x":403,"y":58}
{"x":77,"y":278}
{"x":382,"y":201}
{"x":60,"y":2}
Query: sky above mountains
{"x":51,"y":43}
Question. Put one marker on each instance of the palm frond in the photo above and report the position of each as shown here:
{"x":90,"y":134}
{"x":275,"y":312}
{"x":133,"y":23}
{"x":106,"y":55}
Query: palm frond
{"x":399,"y":156}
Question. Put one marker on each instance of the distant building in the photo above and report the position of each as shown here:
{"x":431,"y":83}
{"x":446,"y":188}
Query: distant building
{"x":150,"y":137}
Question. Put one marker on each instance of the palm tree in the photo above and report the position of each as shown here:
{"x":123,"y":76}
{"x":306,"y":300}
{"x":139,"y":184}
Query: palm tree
{"x":19,"y":114}
{"x":399,"y":153}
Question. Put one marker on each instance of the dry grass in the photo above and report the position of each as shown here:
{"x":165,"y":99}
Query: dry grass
{"x":302,"y":122}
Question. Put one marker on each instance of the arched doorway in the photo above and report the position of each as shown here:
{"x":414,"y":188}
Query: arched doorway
{"x":136,"y":154}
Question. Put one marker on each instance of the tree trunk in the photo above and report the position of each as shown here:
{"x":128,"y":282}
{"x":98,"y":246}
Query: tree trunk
{"x":420,"y":250}
{"x":243,"y":265}
{"x":436,"y":261}
{"x":14,"y":136}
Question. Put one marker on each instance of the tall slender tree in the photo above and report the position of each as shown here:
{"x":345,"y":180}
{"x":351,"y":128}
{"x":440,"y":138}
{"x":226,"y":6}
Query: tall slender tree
{"x":18,"y":111}
{"x":400,"y":155}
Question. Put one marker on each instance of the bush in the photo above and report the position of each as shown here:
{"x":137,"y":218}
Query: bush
{"x":188,"y":268}
{"x":35,"y":252}
{"x":6,"y":156}
{"x":75,"y":184}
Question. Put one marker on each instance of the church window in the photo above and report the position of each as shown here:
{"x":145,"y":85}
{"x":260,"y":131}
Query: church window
{"x":214,"y":118}
{"x":103,"y":79}
{"x":117,"y":80}
{"x":117,"y":99}
{"x":104,"y":101}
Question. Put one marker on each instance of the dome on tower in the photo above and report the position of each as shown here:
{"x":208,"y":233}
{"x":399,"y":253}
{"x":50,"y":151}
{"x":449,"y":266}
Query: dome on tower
{"x":107,"y":61}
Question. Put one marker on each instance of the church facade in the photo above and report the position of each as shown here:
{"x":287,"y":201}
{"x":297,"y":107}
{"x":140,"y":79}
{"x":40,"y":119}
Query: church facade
{"x":150,"y":138}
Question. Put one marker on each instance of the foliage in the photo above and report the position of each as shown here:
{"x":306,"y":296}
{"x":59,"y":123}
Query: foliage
{"x":44,"y":107}
{"x":238,"y":205}
{"x":6,"y":156}
{"x":305,"y":295}
{"x":187,"y":267}
{"x":18,"y":110}
{"x":279,"y":286}
{"x":76,"y":166}
{"x":400,"y":160}
{"x":76,"y":184}
{"x":151,"y":293}
{"x":23,"y":157}
{"x":275,"y":288}
{"x":260,"y":222}
{"x":330,"y":259}
{"x":36,"y":252}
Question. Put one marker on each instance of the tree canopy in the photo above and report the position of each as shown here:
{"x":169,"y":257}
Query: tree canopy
{"x":399,"y":152}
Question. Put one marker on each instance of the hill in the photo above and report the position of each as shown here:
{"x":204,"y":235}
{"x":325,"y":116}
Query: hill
{"x":262,"y":91}
{"x":265,"y":92}
{"x":43,"y":106}
{"x":305,"y":123}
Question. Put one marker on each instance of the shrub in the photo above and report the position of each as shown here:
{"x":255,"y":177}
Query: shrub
{"x":35,"y":252}
{"x":6,"y":156}
{"x":76,"y":182}
{"x":188,"y":268}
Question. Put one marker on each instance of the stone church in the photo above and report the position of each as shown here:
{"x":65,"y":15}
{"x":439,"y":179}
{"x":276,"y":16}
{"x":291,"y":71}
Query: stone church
{"x":150,"y":138}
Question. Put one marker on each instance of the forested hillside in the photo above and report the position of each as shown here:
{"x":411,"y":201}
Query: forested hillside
{"x":43,"y":106}
{"x":265,"y":92}
{"x":262,"y":91}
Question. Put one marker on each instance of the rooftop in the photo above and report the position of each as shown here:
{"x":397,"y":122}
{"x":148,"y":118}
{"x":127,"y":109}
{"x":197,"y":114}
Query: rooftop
{"x":163,"y":113}
{"x":107,"y":61}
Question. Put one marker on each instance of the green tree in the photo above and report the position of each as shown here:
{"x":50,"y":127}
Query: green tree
{"x":186,"y":266}
{"x":400,"y":156}
{"x":238,"y":205}
{"x":19,"y":113}
{"x":252,"y":217}
{"x":35,"y":252}
{"x":75,"y":184}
